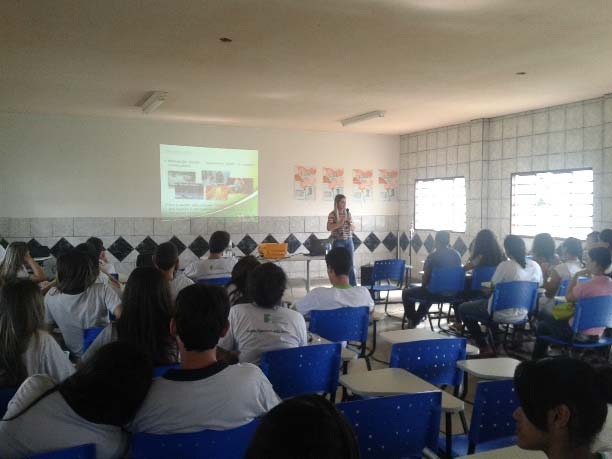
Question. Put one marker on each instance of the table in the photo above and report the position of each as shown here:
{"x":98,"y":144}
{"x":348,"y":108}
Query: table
{"x":421,"y":334}
{"x":512,"y":452}
{"x":347,"y":355}
{"x":490,"y":369}
{"x":300,"y":257}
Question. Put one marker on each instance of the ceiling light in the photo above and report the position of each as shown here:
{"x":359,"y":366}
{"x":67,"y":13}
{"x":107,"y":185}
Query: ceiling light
{"x":153,"y":101}
{"x":363,"y":117}
{"x":521,"y":73}
{"x":225,"y":40}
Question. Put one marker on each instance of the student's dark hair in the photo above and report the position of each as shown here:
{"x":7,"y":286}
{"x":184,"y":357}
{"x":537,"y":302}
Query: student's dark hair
{"x":606,"y":236}
{"x":75,"y":272}
{"x":573,"y":247}
{"x":601,"y":256}
{"x":267,"y":284}
{"x":108,"y":388}
{"x":240,"y":275}
{"x":89,"y":250}
{"x":219,"y":240}
{"x":21,"y":316}
{"x":146,"y":313}
{"x":543,"y":246}
{"x":166,"y":255}
{"x":593,"y":235}
{"x":14,"y":258}
{"x":548,"y":383}
{"x":515,"y":249}
{"x":304,"y":427}
{"x":201,"y":315}
{"x":145,"y":260}
{"x":442,"y":238}
{"x":487,"y":248}
{"x":339,"y":261}
{"x":97,"y":244}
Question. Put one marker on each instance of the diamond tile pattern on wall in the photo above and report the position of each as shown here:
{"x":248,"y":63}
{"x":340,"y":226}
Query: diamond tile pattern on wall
{"x":309,"y":241}
{"x":120,"y":248}
{"x":390,"y":242}
{"x":372,"y":242}
{"x":199,"y":246}
{"x":293,"y":243}
{"x":37,"y":250}
{"x":60,"y":247}
{"x":269,"y":239}
{"x":460,"y":246}
{"x":404,"y":242}
{"x":356,"y":241}
{"x":4,"y":243}
{"x":147,"y":245}
{"x":417,"y":243}
{"x":429,"y":243}
{"x":247,"y":245}
{"x":179,"y":244}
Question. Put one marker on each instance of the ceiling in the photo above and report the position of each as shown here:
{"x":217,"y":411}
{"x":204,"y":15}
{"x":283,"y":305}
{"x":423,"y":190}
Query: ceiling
{"x":304,"y":63}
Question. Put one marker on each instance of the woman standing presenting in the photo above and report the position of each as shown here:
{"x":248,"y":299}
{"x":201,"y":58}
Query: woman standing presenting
{"x":340,"y":223}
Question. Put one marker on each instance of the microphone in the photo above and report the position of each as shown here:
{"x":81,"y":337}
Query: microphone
{"x":348,"y":216}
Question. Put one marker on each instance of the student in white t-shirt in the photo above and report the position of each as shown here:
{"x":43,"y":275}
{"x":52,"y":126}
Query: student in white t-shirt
{"x":263,"y":325}
{"x":78,"y":302}
{"x":341,"y":294}
{"x":166,"y":259}
{"x":26,"y":348}
{"x":13,"y":265}
{"x":145,"y":318}
{"x":517,"y":268}
{"x":204,"y":393}
{"x":237,"y":287}
{"x":91,"y":406}
{"x":216,"y":265}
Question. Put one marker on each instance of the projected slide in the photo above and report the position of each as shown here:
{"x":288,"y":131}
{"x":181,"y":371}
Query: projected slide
{"x":200,"y":181}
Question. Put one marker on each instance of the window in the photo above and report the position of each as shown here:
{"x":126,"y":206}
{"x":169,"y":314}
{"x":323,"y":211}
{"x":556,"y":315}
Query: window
{"x":559,"y":203}
{"x":440,"y":204}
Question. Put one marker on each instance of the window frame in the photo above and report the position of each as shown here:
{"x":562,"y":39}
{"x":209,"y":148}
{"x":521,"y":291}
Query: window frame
{"x":431,"y":180}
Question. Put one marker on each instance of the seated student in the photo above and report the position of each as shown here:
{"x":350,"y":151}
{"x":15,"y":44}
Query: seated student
{"x":486,"y":251}
{"x":563,"y":407}
{"x":26,"y":348}
{"x":101,"y":277}
{"x":308,"y":426}
{"x":341,"y":294}
{"x":78,"y":302}
{"x":237,"y":287}
{"x":166,"y":259}
{"x":145,"y":260}
{"x":91,"y":406}
{"x":106,"y":268}
{"x":204,"y":393}
{"x":606,"y":241}
{"x":216,"y":265}
{"x":543,"y":253}
{"x":145,"y":318}
{"x":599,"y":285}
{"x":517,"y":268}
{"x":13,"y":265}
{"x":443,"y":257}
{"x":263,"y":325}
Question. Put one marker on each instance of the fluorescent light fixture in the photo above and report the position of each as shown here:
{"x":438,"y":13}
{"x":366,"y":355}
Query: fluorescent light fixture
{"x":363,"y":117}
{"x":153,"y":101}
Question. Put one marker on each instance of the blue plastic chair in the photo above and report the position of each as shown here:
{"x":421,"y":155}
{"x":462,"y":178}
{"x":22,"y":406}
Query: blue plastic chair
{"x":395,"y":427}
{"x":343,"y":324}
{"x":565,"y":284}
{"x":390,"y":271}
{"x":78,"y":452}
{"x":6,"y":394}
{"x":303,"y":370}
{"x":446,"y":285}
{"x":158,"y":372}
{"x":590,"y":313}
{"x":492,"y":425}
{"x":480,"y":275}
{"x":207,"y":444}
{"x":90,"y":335}
{"x":220,"y":281}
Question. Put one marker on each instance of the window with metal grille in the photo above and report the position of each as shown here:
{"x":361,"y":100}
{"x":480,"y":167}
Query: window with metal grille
{"x":440,"y":204}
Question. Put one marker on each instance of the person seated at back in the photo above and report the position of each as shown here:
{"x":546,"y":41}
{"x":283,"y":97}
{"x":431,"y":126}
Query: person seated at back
{"x":106,"y":268}
{"x":204,"y":393}
{"x":91,"y":406}
{"x":237,"y":287}
{"x":13,"y":266}
{"x":605,"y":238}
{"x":598,"y":285}
{"x":166,"y":259}
{"x":308,"y":426}
{"x":78,"y":302}
{"x":145,"y":318}
{"x":563,"y":407}
{"x":26,"y":348}
{"x":102,"y":277}
{"x":443,"y":257}
{"x":216,"y":265}
{"x":543,"y":253}
{"x":341,"y":294}
{"x":263,"y":325}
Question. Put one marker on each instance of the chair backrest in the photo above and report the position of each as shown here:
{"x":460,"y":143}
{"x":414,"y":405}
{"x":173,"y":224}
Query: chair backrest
{"x":563,"y":286}
{"x":341,"y":324}
{"x":593,"y":312}
{"x":78,"y":452}
{"x":395,"y":427}
{"x":494,"y":405}
{"x":207,"y":444}
{"x":480,"y":275}
{"x":389,"y":270}
{"x":434,"y":360}
{"x":517,"y":294}
{"x":90,"y":335}
{"x":221,"y":281}
{"x":6,"y":394}
{"x":303,"y":370}
{"x":158,"y":372}
{"x":447,"y":281}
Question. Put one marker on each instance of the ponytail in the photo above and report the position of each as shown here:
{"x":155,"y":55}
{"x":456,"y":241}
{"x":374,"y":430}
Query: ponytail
{"x":515,"y":249}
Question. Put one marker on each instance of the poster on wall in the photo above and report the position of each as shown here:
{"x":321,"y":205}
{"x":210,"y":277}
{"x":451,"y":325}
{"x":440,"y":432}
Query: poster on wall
{"x":388,"y":184}
{"x":333,"y":183}
{"x":363,"y":184}
{"x":304,"y":183}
